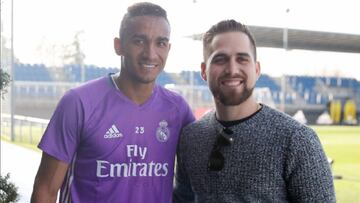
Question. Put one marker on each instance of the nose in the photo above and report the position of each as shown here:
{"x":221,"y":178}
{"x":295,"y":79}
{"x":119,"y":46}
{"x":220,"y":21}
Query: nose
{"x":149,"y":51}
{"x":233,"y":67}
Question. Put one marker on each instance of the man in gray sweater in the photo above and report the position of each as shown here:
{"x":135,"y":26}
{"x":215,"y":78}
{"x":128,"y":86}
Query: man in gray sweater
{"x":245,"y":151}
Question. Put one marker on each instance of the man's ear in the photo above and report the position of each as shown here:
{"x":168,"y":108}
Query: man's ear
{"x":258,"y":69}
{"x":203,"y":71}
{"x":117,"y":46}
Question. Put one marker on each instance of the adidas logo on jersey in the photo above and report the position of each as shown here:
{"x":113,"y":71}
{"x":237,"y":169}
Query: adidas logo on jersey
{"x":113,"y":132}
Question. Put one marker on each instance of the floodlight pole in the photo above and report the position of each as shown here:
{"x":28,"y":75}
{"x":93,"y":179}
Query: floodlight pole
{"x":1,"y":67}
{"x":285,"y":33}
{"x":82,"y":69}
{"x":12,"y":72}
{"x":192,"y":88}
{"x":283,"y":77}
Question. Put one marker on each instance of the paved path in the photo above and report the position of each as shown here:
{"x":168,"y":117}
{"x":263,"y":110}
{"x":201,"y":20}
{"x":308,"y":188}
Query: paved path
{"x":22,"y":164}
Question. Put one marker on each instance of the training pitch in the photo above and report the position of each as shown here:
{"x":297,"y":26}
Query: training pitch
{"x":342,"y":145}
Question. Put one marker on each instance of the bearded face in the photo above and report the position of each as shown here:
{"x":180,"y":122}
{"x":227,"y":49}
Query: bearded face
{"x":230,"y":68}
{"x":229,"y":96}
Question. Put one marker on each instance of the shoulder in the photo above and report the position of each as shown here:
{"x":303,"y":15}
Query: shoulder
{"x":167,"y":99}
{"x":283,"y":127}
{"x":97,"y":87}
{"x":85,"y":97}
{"x":169,"y":94}
{"x":200,"y":125}
{"x":93,"y":92}
{"x":171,"y":97}
{"x":196,"y":134}
{"x":279,"y":120}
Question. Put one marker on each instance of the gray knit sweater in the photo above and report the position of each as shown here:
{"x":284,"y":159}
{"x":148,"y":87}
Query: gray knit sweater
{"x":273,"y":159}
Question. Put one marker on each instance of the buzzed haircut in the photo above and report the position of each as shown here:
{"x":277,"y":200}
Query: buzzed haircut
{"x":141,"y":9}
{"x":226,"y":26}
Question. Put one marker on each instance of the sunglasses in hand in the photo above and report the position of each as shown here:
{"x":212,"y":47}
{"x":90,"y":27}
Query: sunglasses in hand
{"x":216,"y":160}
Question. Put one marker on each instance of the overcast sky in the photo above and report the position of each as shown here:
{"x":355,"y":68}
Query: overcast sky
{"x":41,"y":27}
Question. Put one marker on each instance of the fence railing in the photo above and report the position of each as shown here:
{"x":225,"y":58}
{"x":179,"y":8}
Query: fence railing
{"x":26,"y":129}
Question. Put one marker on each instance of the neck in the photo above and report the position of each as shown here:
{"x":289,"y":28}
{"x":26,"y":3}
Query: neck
{"x":139,"y":93}
{"x":232,"y":113}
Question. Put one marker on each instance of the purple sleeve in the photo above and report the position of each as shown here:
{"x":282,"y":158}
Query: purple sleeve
{"x":62,"y":134}
{"x":188,"y":116}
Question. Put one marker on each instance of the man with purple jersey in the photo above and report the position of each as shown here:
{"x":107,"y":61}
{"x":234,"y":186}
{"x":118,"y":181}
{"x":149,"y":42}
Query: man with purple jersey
{"x":114,"y":139}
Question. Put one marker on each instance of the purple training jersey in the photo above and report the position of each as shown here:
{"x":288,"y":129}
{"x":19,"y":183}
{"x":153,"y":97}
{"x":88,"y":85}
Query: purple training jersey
{"x":118,"y":151}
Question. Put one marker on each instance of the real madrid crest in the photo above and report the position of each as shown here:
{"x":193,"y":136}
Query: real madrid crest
{"x":163,"y":132}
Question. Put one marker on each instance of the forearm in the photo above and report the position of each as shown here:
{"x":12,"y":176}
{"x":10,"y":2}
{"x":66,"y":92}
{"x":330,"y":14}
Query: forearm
{"x":48,"y":180}
{"x":43,"y":195}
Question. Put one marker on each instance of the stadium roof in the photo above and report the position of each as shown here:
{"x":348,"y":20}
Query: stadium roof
{"x":303,"y":39}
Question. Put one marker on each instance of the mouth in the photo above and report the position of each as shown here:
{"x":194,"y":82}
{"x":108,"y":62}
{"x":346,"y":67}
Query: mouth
{"x":232,"y":82}
{"x":148,"y":65}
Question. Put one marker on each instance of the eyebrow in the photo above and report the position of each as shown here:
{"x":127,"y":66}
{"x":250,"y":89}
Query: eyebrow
{"x":241,"y":54}
{"x":139,"y":36}
{"x":220,"y":54}
{"x":166,"y":39}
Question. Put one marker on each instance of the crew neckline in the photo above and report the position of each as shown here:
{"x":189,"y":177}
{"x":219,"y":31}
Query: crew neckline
{"x":235,"y":122}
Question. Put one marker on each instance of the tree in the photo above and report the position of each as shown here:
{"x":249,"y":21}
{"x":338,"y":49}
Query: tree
{"x":8,"y":191}
{"x":73,"y":52}
{"x":5,"y":56}
{"x":4,"y":81}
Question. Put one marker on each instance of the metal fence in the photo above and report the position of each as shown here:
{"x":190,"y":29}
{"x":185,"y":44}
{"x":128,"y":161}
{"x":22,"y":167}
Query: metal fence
{"x":27,"y":130}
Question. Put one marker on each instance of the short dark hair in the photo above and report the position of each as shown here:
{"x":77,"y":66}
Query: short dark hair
{"x":227,"y":26}
{"x":141,"y":9}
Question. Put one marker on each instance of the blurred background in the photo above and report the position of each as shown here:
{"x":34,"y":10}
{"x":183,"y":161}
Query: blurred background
{"x":309,"y":53}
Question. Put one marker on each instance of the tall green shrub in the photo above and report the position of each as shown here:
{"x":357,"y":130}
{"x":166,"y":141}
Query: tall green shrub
{"x":8,"y":191}
{"x":4,"y":81}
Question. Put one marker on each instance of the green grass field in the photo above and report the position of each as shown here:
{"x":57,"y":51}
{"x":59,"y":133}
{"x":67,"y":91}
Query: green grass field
{"x":341,"y":143}
{"x":23,"y":137}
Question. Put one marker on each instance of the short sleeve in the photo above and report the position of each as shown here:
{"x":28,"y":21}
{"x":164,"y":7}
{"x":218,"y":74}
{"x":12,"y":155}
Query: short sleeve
{"x":63,"y":133}
{"x":188,"y":116}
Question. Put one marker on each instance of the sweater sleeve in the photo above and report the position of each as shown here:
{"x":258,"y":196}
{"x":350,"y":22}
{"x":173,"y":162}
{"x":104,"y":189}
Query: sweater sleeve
{"x":183,"y":192}
{"x":308,"y":173}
